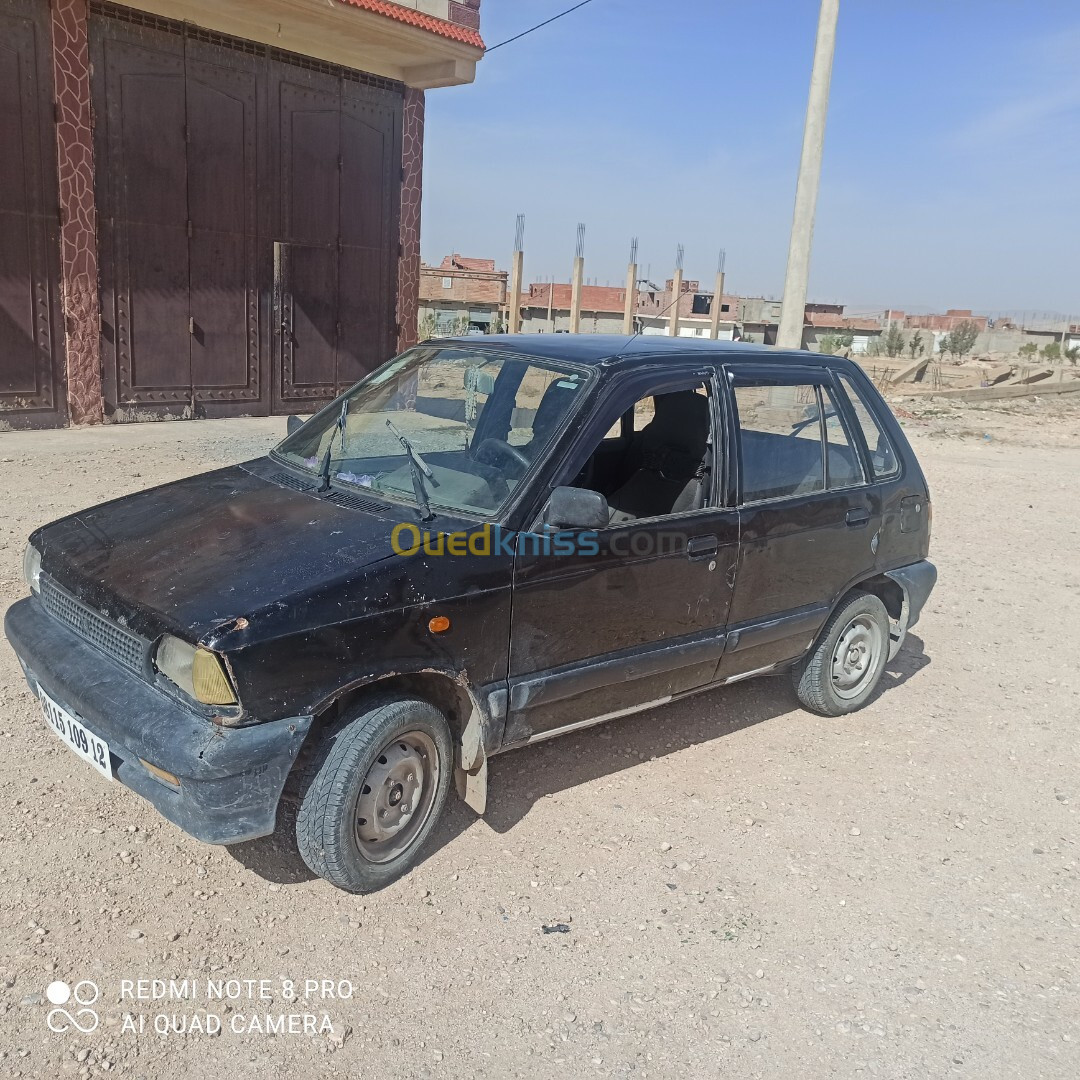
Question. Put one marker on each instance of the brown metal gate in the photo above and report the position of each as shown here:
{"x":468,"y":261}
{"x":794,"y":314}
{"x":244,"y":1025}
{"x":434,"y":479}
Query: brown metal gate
{"x":31,"y":334}
{"x":248,"y":204}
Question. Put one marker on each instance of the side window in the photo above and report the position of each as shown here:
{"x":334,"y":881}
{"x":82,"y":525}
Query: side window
{"x":664,"y":467}
{"x":882,"y":456}
{"x":842,"y":464}
{"x":779,"y":440}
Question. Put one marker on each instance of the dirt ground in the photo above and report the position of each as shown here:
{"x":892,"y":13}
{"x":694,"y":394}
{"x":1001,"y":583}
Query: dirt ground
{"x":727,"y":886}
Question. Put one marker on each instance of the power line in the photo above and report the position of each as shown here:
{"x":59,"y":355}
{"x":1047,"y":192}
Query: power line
{"x":539,"y":25}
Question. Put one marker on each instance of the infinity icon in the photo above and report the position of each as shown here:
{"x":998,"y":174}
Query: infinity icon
{"x":85,"y":993}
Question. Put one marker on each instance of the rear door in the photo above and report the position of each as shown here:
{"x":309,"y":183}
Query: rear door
{"x":809,"y":520}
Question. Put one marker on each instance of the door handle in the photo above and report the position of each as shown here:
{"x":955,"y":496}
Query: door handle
{"x":701,"y":547}
{"x":857,"y":518}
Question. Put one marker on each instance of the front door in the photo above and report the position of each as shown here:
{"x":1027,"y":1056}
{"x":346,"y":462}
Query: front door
{"x":809,"y":520}
{"x":635,"y":613}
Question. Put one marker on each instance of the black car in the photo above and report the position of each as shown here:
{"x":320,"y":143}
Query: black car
{"x":485,"y":543}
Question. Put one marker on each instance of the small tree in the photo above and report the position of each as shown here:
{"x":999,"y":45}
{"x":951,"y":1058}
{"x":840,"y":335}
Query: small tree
{"x":427,"y":327}
{"x":1052,"y":352}
{"x":1073,"y":354}
{"x":894,"y":340}
{"x":829,"y":344}
{"x":1028,"y":350}
{"x":945,"y":344}
{"x":915,"y":344}
{"x":963,"y":337}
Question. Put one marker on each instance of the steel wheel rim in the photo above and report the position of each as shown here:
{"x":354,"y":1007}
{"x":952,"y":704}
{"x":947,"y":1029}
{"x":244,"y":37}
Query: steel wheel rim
{"x":855,"y":657}
{"x":396,"y":796}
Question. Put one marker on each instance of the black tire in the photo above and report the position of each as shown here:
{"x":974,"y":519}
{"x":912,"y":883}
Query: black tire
{"x":827,"y":683}
{"x":375,"y":744}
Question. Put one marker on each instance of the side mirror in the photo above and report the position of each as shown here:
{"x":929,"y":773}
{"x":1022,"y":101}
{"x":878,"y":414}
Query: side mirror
{"x":576,"y":508}
{"x":292,"y":424}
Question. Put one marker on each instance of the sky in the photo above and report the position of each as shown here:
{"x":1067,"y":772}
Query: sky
{"x":951,"y":175}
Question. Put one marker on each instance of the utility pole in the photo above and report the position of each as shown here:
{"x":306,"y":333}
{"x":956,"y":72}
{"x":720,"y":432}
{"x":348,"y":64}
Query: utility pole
{"x":631,"y":290}
{"x":516,"y":267}
{"x":718,"y":297}
{"x":806,"y":190}
{"x":575,"y":286}
{"x":676,"y":289}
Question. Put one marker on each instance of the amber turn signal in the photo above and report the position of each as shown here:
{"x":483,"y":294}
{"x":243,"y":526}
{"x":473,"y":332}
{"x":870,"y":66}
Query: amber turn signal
{"x":439,"y":625}
{"x":161,"y":774}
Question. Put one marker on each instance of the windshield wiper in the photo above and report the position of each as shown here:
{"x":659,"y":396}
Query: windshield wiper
{"x":420,"y":469}
{"x":324,"y":465}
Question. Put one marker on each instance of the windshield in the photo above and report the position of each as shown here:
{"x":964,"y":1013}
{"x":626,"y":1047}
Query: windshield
{"x":476,"y":420}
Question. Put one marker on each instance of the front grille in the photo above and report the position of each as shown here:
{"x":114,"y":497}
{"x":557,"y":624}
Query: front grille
{"x":121,"y":645}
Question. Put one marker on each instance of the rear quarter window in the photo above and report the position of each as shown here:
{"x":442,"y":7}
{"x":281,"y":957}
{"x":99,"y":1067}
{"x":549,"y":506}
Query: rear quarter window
{"x":883,"y":459}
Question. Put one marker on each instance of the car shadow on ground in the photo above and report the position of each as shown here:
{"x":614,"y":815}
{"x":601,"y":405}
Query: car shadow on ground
{"x":520,"y":778}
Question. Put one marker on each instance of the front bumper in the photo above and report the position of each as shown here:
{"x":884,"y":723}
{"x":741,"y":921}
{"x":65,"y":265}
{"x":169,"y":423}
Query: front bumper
{"x":231,"y":779}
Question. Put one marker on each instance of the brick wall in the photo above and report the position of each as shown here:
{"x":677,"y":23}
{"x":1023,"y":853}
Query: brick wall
{"x":466,"y":286}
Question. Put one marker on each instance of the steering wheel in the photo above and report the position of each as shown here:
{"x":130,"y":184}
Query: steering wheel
{"x":503,"y":448}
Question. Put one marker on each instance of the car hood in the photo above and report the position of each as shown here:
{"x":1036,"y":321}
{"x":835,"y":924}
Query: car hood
{"x":219,"y":550}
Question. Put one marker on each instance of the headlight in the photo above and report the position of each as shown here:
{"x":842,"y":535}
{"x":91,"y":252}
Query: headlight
{"x":198,"y":672}
{"x":31,"y":563}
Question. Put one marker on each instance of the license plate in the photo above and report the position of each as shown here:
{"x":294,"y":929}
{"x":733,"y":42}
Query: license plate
{"x":76,"y":736}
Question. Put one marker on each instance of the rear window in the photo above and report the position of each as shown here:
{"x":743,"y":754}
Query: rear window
{"x":883,"y":458}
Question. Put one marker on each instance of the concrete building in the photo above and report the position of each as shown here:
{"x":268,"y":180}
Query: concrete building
{"x":545,"y":309}
{"x":655,"y":308}
{"x":462,"y":295}
{"x":211,"y":207}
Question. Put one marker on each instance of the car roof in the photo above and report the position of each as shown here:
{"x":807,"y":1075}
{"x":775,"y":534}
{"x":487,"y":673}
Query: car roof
{"x":598,"y":349}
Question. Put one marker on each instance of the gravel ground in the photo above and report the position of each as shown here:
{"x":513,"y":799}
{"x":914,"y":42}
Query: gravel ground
{"x":727,"y":886}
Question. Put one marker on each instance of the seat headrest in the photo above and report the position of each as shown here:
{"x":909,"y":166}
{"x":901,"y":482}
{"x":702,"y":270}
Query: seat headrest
{"x":681,"y":423}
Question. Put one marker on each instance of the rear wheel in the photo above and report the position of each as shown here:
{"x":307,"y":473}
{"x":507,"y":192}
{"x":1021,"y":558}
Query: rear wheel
{"x":847,"y":662}
{"x":381,"y":780}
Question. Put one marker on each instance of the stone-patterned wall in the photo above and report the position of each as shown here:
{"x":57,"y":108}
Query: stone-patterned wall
{"x":412,"y":161}
{"x":78,"y":216}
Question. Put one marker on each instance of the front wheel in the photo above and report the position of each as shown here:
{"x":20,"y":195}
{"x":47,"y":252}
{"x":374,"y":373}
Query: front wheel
{"x":844,"y":667}
{"x":381,"y":780}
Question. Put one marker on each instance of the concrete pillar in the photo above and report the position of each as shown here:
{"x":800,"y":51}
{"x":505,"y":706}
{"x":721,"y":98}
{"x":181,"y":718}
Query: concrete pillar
{"x":514,"y":321}
{"x":78,"y":211}
{"x":806,"y":190}
{"x":631,"y":299}
{"x":575,"y":294}
{"x":676,"y":289}
{"x":717,"y":303}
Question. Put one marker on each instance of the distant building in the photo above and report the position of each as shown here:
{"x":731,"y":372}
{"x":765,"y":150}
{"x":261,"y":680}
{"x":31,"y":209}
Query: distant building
{"x":944,"y":323}
{"x":545,"y":309}
{"x":655,"y":308}
{"x":461,"y":295}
